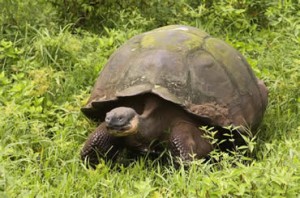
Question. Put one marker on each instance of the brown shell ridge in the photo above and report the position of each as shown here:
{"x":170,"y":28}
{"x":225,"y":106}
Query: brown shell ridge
{"x":189,"y":78}
{"x":223,"y":67}
{"x":232,"y":80}
{"x":204,"y":41}
{"x":262,"y":109}
{"x":188,"y":82}
{"x":254,"y":79}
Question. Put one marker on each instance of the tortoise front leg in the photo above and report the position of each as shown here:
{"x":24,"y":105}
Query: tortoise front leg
{"x":187,"y":142}
{"x":99,"y":144}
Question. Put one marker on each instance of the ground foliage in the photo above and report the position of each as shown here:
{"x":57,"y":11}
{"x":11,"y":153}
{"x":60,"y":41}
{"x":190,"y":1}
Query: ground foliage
{"x":51,"y":53}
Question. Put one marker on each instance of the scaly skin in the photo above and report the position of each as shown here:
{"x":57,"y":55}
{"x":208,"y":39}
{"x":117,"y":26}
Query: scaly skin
{"x":99,"y":144}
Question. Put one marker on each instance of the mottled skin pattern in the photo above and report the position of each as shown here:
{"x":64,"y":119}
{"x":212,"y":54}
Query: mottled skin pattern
{"x":161,"y":121}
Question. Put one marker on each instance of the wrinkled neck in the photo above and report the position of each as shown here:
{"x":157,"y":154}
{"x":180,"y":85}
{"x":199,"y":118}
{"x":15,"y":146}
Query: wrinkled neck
{"x":151,"y":127}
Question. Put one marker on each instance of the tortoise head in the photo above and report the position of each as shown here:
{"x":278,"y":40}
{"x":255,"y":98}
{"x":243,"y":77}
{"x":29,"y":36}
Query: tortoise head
{"x":122,"y":121}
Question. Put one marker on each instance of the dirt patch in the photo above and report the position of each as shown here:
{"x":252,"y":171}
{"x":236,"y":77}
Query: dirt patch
{"x":218,"y":114}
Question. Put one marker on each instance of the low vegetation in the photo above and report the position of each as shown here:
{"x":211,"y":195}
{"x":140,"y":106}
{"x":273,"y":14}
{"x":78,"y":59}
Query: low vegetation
{"x":50,"y":55}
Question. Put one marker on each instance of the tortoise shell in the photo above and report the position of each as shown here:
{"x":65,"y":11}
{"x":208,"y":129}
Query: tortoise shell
{"x":186,"y":66}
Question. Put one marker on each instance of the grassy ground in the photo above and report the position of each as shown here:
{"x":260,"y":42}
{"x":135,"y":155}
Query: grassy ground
{"x":46,"y":73}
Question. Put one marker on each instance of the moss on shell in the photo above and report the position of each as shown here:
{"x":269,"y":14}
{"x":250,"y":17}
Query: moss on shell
{"x":180,"y":38}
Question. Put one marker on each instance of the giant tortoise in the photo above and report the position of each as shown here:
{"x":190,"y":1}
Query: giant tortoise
{"x":162,"y":86}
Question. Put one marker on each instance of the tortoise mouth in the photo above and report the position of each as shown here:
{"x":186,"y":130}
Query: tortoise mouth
{"x":124,"y":130}
{"x":118,"y":129}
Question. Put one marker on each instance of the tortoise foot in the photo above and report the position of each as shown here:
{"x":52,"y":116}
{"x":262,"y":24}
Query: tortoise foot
{"x":187,"y":142}
{"x":100,"y":145}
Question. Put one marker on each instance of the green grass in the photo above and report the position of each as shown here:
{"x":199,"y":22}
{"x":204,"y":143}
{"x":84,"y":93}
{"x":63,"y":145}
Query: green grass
{"x":47,"y":71}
